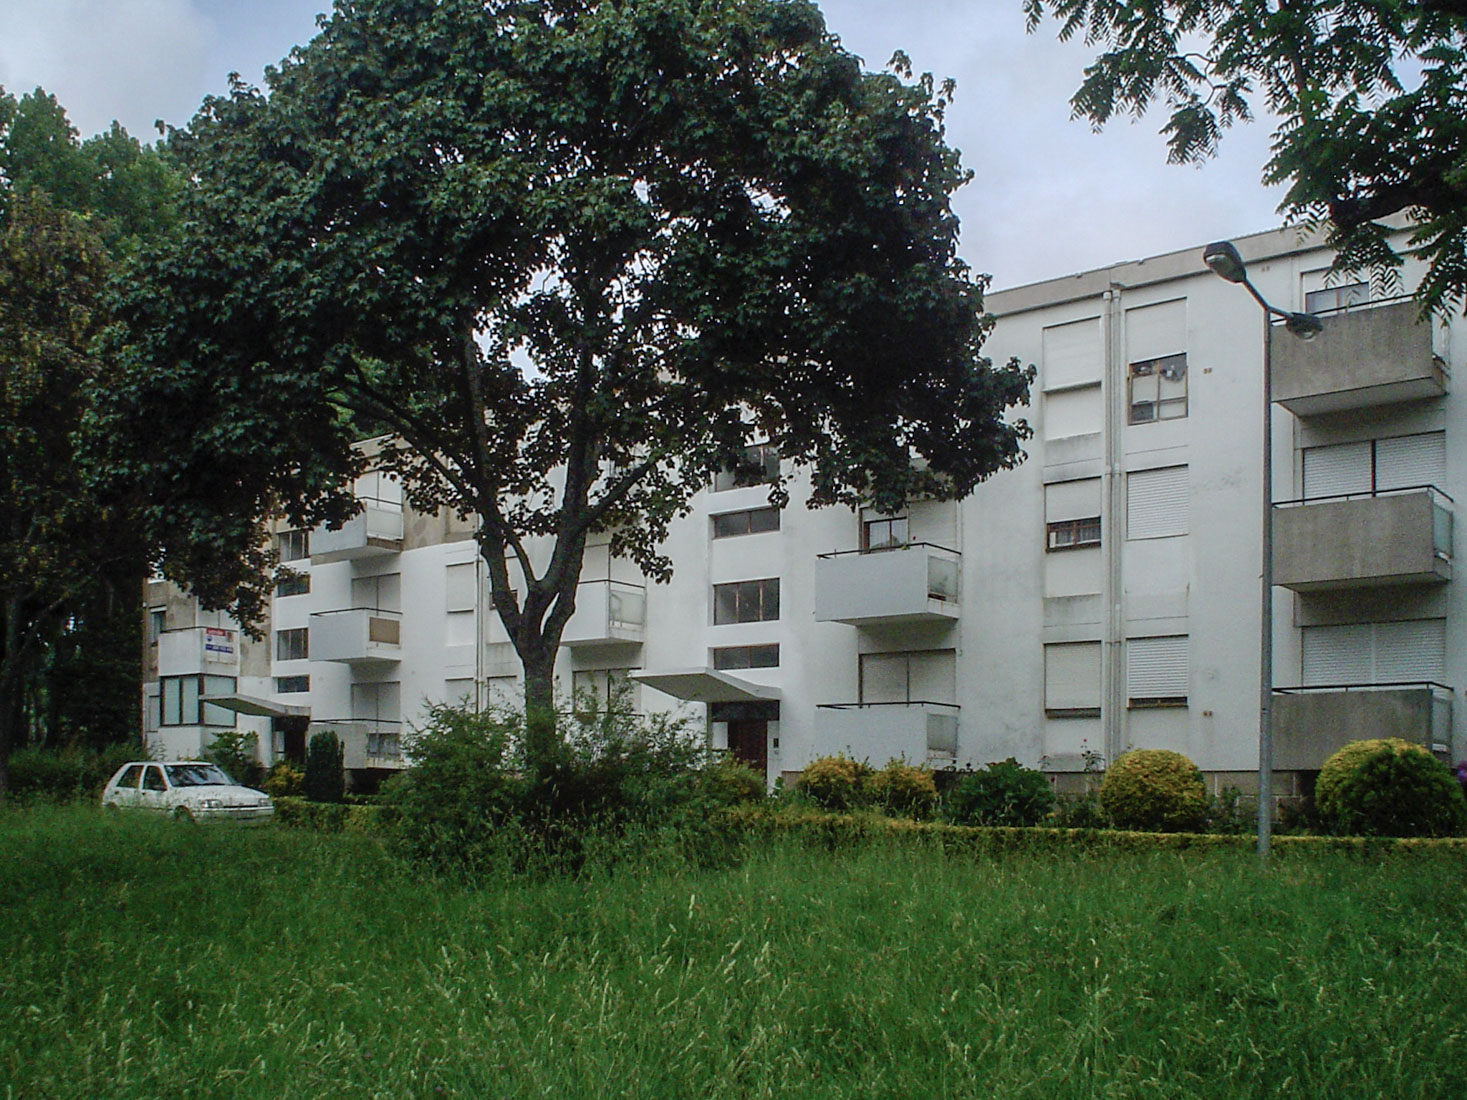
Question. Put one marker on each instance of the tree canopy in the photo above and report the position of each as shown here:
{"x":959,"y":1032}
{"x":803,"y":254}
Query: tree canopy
{"x":568,"y":258}
{"x":1372,"y":95}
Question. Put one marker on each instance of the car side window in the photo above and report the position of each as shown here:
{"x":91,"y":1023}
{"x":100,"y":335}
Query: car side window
{"x":153,"y":779}
{"x":128,"y":781}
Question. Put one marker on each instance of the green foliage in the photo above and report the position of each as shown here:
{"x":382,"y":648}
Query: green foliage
{"x":66,"y":774}
{"x":1002,"y":793}
{"x":1368,"y":97}
{"x":834,"y":782}
{"x":579,"y":243}
{"x":234,"y":751}
{"x":333,"y":817}
{"x":285,"y":780}
{"x":1079,"y":811}
{"x":902,"y":790}
{"x":727,"y":782}
{"x":1154,"y":790}
{"x":1389,"y":787}
{"x":325,"y":776}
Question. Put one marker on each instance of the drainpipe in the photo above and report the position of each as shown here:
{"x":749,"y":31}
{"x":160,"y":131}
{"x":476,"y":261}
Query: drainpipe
{"x":1113,"y":663}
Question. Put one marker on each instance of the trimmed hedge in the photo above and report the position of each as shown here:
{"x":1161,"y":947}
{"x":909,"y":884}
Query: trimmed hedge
{"x":1154,"y":790}
{"x":333,"y":817}
{"x":1389,"y":787}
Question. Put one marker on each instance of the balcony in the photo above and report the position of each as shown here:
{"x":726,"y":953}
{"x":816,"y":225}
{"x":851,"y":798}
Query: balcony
{"x":374,"y":531}
{"x":365,"y":742}
{"x":607,"y":612}
{"x":918,"y":732}
{"x":357,"y":636}
{"x":198,"y":649}
{"x":914,"y":583}
{"x":1363,"y":541}
{"x":1311,"y":723}
{"x":1364,"y":357}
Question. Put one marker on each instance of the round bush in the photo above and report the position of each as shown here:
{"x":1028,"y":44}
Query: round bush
{"x":1389,"y":787}
{"x":834,"y":782}
{"x":1003,"y":793}
{"x":903,"y":790}
{"x":730,"y":783}
{"x":1154,"y":790}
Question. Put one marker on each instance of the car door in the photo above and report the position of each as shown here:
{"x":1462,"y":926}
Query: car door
{"x":154,"y":792}
{"x":125,"y":790}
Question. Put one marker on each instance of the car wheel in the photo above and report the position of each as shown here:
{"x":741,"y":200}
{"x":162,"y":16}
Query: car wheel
{"x":112,"y":807}
{"x":183,"y":813}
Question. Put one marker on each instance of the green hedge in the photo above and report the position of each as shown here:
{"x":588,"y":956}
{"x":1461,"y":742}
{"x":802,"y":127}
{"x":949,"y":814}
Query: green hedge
{"x":332,"y":817}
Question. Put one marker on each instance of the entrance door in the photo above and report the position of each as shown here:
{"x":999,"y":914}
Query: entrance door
{"x":748,"y":740}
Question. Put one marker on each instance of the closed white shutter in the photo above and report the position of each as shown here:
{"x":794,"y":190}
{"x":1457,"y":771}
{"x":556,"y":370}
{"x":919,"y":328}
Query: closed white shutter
{"x":934,"y":676}
{"x":883,"y":678}
{"x":1411,"y":651}
{"x":1156,"y":668}
{"x":1336,"y":654}
{"x":1072,"y":500}
{"x":1073,"y":412}
{"x":1156,"y":503}
{"x":1336,"y":470}
{"x":1072,"y":676}
{"x":1072,"y":354}
{"x":1407,"y":461}
{"x":1154,"y":331}
{"x":458,"y":587}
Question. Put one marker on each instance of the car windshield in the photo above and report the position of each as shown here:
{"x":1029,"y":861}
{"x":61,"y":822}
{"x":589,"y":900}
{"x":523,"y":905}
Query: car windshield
{"x":198,"y":775}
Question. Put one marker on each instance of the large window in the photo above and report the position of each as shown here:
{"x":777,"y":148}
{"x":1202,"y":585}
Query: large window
{"x":293,"y":584}
{"x":916,"y":676}
{"x":293,"y":545}
{"x":1156,"y":671}
{"x":1336,"y":297}
{"x":885,"y":532}
{"x":1375,"y":465}
{"x":751,"y":521}
{"x":759,"y":466}
{"x":1408,"y":651}
{"x":181,"y":705}
{"x":1158,"y":389}
{"x":746,"y":602}
{"x":292,"y":645}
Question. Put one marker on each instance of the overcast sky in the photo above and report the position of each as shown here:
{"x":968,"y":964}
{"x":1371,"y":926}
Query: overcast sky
{"x":1048,"y":198}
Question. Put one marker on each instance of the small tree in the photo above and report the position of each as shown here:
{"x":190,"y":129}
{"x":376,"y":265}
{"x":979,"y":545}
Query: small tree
{"x":325,"y":775}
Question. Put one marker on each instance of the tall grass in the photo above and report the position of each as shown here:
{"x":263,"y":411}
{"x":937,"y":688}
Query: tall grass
{"x":143,"y":958}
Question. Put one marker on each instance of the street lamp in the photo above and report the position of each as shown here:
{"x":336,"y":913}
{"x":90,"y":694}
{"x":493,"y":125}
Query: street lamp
{"x":1223,"y":259}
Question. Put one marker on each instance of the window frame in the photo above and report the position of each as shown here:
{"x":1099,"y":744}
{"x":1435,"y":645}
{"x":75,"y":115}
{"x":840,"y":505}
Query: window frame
{"x":760,"y":457}
{"x":893,"y":541}
{"x":1074,"y":527}
{"x":293,"y":544}
{"x":760,"y":598}
{"x":293,"y":584}
{"x":726,"y":658}
{"x":285,"y":639}
{"x":1155,"y":370}
{"x":744,"y":522}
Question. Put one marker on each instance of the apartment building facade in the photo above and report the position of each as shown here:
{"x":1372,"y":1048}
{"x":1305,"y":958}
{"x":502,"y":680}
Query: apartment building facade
{"x":1105,"y":595}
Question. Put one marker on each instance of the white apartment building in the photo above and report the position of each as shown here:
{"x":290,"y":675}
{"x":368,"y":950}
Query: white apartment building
{"x":1105,"y":595}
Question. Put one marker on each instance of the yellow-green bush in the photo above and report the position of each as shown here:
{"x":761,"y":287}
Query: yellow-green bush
{"x":1389,"y":787}
{"x":1154,"y":790}
{"x":834,"y":782}
{"x":730,"y":783}
{"x":902,"y":789}
{"x":285,"y":780}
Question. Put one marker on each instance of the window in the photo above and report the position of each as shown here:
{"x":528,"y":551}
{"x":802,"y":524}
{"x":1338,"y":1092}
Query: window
{"x":914,"y":676}
{"x":153,"y":779}
{"x":1072,"y":534}
{"x":746,"y":602}
{"x":885,"y":533}
{"x":382,"y":592}
{"x":1375,"y":465}
{"x":760,"y":466}
{"x":181,"y":700}
{"x":1336,"y":297}
{"x":157,"y":619}
{"x":1409,"y":651}
{"x":606,"y":689}
{"x":129,"y":778}
{"x":1156,"y":503}
{"x":290,"y":685}
{"x":293,"y":584}
{"x":293,"y":545}
{"x":459,"y":583}
{"x":753,"y":521}
{"x":746,"y":656}
{"x":1072,"y":680}
{"x":1072,"y":514}
{"x":1156,"y":672}
{"x":292,"y":645}
{"x":1158,"y":389}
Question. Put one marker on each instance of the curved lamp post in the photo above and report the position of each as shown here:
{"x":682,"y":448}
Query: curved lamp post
{"x":1223,"y":258}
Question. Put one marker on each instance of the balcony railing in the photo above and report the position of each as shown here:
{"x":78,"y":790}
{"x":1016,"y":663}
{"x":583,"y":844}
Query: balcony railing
{"x":1312,"y":722}
{"x":607,"y":612}
{"x":914,"y":582}
{"x":1367,"y":539}
{"x":374,"y":531}
{"x":1365,"y":356}
{"x":356,"y":635}
{"x":917,"y":731}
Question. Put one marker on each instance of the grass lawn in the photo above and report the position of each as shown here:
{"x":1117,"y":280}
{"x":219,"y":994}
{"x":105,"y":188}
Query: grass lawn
{"x":145,"y":958}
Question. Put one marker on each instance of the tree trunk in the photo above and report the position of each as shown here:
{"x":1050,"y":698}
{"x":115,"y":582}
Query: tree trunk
{"x":541,"y":738}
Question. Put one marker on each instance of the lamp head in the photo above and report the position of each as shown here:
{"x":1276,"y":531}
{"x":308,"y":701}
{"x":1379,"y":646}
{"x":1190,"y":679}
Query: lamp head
{"x":1305,"y":326}
{"x":1225,"y":261}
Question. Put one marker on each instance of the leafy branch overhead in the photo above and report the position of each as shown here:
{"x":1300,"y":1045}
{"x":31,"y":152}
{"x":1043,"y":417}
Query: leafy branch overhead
{"x":1372,"y":97}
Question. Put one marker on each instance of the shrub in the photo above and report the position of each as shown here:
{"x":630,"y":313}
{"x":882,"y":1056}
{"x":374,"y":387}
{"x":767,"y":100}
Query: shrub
{"x":325,"y":777}
{"x":1389,"y":787}
{"x":902,"y":790}
{"x":285,"y":780}
{"x":730,"y":783}
{"x":1003,"y":793}
{"x":834,"y":782}
{"x":1154,"y":790}
{"x":234,"y":751}
{"x":65,"y":774}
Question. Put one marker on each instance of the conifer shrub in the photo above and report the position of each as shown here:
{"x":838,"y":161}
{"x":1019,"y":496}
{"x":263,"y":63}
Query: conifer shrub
{"x":1001,"y":793}
{"x":902,"y":790}
{"x":325,"y":775}
{"x":835,"y":782}
{"x":1154,"y":790}
{"x":1389,"y":787}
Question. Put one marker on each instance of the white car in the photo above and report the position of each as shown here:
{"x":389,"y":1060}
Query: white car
{"x":193,"y":789}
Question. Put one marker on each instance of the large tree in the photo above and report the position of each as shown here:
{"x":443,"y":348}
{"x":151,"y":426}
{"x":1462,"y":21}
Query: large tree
{"x":568,"y":257}
{"x":1372,"y":97}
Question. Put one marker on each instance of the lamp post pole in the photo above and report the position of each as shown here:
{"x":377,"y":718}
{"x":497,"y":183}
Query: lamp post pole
{"x":1223,"y":259}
